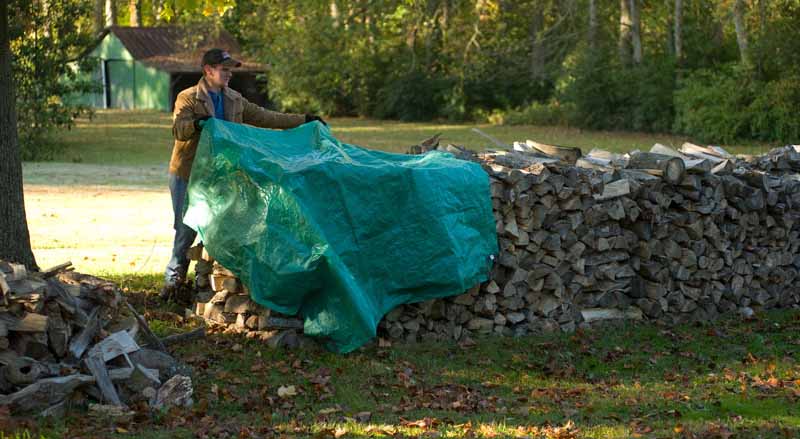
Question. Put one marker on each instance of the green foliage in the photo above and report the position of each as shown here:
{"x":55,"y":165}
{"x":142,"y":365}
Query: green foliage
{"x":549,"y":113}
{"x":731,"y":104}
{"x":602,"y":94}
{"x":43,"y":42}
{"x":708,"y":106}
{"x":413,"y":96}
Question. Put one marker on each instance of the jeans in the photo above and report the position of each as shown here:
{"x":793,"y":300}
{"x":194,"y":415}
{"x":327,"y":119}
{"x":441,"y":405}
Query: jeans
{"x":184,"y":236}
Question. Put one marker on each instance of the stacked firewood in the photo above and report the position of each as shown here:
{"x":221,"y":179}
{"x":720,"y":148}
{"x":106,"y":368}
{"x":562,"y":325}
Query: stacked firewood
{"x":68,"y":338}
{"x":227,"y":306}
{"x":673,"y":235}
{"x":670,"y":235}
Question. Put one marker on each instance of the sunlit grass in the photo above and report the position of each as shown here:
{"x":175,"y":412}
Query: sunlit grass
{"x":136,"y":138}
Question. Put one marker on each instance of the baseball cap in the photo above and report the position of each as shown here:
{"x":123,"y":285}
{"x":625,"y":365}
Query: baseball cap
{"x":219,"y":56}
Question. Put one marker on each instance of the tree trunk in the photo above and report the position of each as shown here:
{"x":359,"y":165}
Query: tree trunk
{"x":537,"y":60}
{"x":134,"y":9}
{"x":625,"y":26}
{"x":99,"y":19}
{"x":15,"y":241}
{"x":592,"y":23}
{"x":636,"y":32}
{"x":763,"y":14}
{"x":111,"y":13}
{"x":741,"y":31}
{"x":678,"y":32}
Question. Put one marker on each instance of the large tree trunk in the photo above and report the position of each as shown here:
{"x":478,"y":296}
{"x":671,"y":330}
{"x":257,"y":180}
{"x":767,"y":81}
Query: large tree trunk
{"x":111,"y":13}
{"x":625,"y":26}
{"x":678,"y":31}
{"x":15,"y":241}
{"x":99,"y":16}
{"x":741,"y":31}
{"x":134,"y":9}
{"x":636,"y":32}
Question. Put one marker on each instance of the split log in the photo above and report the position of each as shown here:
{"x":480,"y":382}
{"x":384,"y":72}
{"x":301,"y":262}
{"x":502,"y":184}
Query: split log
{"x":80,"y":343}
{"x":566,"y":153}
{"x":145,"y":328}
{"x":671,"y":169}
{"x":52,"y":271}
{"x":44,"y":393}
{"x":185,"y":337}
{"x":94,"y":362}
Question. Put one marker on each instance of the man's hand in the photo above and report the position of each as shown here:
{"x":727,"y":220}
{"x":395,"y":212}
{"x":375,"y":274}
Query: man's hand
{"x":312,"y":117}
{"x":198,"y":123}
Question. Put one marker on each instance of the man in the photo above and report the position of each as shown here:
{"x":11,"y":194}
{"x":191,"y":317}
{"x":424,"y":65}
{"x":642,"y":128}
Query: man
{"x":211,"y":97}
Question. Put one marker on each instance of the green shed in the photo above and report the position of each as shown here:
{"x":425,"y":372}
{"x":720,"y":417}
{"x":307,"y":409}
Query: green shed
{"x":146,"y":68}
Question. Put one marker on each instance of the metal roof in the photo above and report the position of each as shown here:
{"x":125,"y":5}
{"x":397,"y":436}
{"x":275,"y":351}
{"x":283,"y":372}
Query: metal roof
{"x":174,"y":50}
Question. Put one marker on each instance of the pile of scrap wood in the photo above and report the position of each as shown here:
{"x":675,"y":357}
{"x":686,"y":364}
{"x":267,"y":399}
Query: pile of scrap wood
{"x":675,"y":235}
{"x":228,"y":307}
{"x":70,"y":339}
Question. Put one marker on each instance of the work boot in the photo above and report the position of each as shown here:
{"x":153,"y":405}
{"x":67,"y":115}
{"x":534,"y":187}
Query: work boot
{"x":169,"y":291}
{"x":171,"y":288}
{"x":184,"y":296}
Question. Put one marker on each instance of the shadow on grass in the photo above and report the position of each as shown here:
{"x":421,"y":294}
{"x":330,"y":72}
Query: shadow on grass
{"x":731,"y":379}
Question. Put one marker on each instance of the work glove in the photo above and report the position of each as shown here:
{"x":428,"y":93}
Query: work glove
{"x":198,"y":123}
{"x":311,"y":117}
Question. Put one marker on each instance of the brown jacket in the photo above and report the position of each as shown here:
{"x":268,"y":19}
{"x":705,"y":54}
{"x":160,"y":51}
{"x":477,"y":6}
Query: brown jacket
{"x":194,"y":102}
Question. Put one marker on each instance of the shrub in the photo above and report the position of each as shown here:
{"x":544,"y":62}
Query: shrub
{"x":729,"y":104}
{"x":414,"y":96}
{"x":601,"y":94}
{"x":537,"y":113}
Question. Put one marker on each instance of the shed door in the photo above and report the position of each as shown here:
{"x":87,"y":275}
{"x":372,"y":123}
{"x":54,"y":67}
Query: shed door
{"x":121,"y":83}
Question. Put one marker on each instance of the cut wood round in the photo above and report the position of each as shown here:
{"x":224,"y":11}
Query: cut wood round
{"x":23,"y":371}
{"x":672,"y":168}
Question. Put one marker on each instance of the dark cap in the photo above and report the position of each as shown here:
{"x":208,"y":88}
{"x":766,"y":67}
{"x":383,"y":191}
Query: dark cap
{"x":219,"y":56}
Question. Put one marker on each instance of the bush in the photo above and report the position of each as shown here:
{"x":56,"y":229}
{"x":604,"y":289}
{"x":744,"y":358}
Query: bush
{"x":730,"y":104}
{"x":414,"y":96}
{"x":537,"y":113}
{"x":605,"y":95}
{"x":774,"y":112}
{"x":709,"y":105}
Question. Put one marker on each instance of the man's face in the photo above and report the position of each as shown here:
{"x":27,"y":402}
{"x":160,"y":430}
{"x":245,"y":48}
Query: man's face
{"x":217,"y":75}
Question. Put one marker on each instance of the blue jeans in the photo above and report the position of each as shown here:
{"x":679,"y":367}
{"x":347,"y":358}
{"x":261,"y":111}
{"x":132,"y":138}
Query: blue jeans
{"x":184,"y":236}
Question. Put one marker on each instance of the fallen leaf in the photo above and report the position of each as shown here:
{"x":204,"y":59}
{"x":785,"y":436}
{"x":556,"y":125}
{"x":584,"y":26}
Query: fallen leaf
{"x":287,"y":391}
{"x":327,"y":411}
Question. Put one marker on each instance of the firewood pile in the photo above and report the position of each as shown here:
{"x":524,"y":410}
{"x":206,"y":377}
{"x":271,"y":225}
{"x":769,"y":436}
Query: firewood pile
{"x":71,"y":339}
{"x":227,"y":307}
{"x":669,"y":235}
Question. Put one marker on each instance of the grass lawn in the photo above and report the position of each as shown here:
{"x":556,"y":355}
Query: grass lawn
{"x":104,"y":205}
{"x":135,"y":138}
{"x":735,"y":379}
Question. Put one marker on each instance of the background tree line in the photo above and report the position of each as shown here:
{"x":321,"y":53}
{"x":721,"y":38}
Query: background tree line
{"x":716,"y":70}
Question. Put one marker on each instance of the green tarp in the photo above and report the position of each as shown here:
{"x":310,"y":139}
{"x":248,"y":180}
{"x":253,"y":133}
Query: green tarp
{"x":336,"y":233}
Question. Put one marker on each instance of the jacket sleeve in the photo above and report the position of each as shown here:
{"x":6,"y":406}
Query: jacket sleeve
{"x":256,"y":115}
{"x":183,"y":118}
